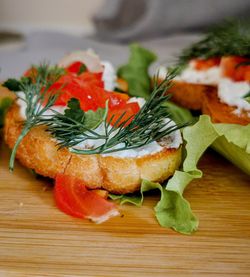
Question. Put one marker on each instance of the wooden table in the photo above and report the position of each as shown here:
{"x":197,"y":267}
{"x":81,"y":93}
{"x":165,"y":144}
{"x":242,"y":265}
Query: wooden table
{"x":36,"y":239}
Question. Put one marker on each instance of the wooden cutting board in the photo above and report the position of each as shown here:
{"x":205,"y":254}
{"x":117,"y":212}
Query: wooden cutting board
{"x":36,"y":239}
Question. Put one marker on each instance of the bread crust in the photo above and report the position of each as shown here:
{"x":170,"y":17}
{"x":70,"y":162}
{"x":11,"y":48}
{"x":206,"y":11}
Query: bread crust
{"x":189,"y":95}
{"x":221,"y":112}
{"x":38,"y":151}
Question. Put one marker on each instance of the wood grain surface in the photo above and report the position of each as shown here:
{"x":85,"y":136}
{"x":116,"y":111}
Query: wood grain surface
{"x":36,"y":239}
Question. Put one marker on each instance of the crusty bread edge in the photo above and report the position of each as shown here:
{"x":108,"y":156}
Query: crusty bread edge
{"x":189,"y":95}
{"x":221,"y":112}
{"x":39,"y":152}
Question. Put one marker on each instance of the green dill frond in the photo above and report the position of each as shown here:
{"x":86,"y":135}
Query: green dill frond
{"x":232,"y":37}
{"x":34,"y":94}
{"x":48,"y":74}
{"x":148,"y":125}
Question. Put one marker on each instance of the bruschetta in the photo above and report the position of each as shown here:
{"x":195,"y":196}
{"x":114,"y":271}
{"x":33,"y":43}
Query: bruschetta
{"x":117,"y":172}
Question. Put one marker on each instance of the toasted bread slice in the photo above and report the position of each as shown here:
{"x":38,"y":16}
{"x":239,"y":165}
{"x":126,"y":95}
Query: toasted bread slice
{"x":39,"y":152}
{"x":221,"y":112}
{"x":189,"y":95}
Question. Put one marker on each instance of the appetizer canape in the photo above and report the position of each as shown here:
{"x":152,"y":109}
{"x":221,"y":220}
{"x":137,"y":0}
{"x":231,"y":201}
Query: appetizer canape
{"x":67,"y":123}
{"x":216,"y":67}
{"x":230,"y":102}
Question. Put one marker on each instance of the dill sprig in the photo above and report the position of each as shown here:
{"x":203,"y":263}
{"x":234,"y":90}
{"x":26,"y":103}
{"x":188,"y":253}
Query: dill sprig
{"x":34,"y":94}
{"x":232,"y":37}
{"x":148,"y":125}
{"x":75,"y":125}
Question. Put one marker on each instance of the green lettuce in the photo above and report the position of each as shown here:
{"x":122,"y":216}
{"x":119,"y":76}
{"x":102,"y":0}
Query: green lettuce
{"x":5,"y":103}
{"x":178,"y":114}
{"x":135,"y":72}
{"x":173,"y":210}
{"x":234,"y":144}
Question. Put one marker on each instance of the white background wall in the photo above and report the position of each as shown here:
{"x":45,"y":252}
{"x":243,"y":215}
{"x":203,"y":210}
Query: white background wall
{"x":72,"y":16}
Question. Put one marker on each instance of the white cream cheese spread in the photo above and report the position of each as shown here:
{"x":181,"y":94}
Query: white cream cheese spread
{"x":229,"y":92}
{"x":210,"y":76}
{"x":174,"y":140}
{"x":109,"y":76}
{"x":232,"y":94}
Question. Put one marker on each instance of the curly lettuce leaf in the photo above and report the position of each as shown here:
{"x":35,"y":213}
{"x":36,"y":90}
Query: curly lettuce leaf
{"x":180,"y":216}
{"x":237,"y":134}
{"x":234,"y":144}
{"x":173,"y":210}
{"x":135,"y":72}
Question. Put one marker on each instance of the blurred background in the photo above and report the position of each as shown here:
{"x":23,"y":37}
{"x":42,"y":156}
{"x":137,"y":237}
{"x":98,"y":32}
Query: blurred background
{"x":70,"y":16}
{"x":35,"y":30}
